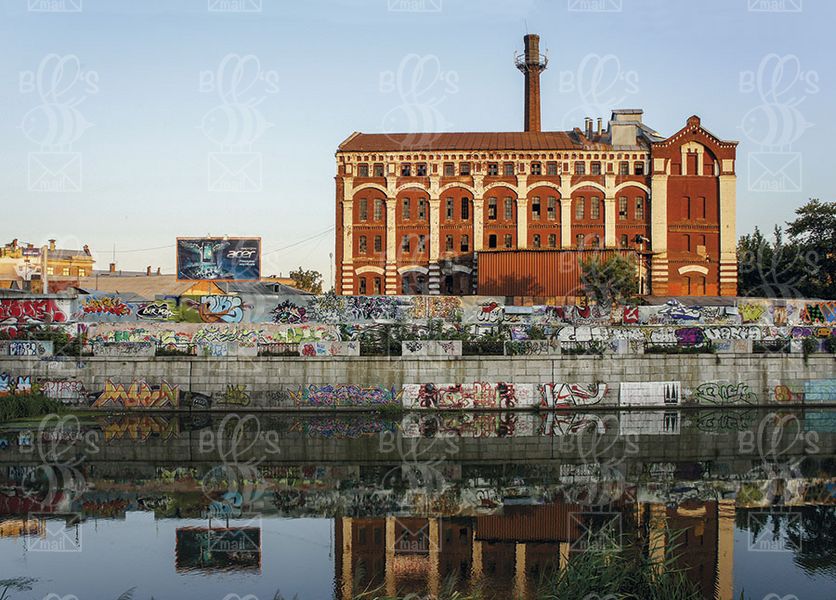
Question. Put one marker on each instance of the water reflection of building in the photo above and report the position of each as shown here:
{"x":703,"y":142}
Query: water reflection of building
{"x":509,"y":552}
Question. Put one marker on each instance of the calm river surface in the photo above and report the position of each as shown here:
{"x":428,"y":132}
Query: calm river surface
{"x":243,"y":506}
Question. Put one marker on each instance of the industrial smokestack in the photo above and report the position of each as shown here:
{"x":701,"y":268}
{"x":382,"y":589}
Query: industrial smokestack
{"x":531,"y":64}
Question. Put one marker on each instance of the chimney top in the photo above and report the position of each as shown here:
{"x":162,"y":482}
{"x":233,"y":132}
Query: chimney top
{"x":52,"y":245}
{"x":158,"y":270}
{"x":148,"y":270}
{"x":531,"y":63}
{"x":112,"y":268}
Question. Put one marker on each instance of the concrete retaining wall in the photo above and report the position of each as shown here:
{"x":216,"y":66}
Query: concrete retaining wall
{"x":259,"y":381}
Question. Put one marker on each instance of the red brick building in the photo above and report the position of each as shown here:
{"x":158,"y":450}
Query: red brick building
{"x":415,"y":211}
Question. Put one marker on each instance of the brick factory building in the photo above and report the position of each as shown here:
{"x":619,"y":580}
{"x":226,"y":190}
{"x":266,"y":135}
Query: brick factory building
{"x":437,"y":213}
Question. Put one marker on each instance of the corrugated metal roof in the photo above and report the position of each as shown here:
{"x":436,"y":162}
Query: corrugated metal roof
{"x":147,"y":287}
{"x":465,"y":141}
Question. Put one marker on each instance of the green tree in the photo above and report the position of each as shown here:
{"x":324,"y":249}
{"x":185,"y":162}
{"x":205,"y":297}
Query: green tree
{"x":309,"y":281}
{"x":802,"y":266}
{"x":814,"y":231}
{"x":613,"y":280}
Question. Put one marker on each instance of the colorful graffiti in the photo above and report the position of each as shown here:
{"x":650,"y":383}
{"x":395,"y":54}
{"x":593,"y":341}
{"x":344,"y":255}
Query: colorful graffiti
{"x":466,"y":396}
{"x":105,"y":305}
{"x":553,"y":395}
{"x":160,"y":310}
{"x":68,"y":391}
{"x":29,"y":348}
{"x":816,"y":313}
{"x":236,"y":395}
{"x":15,"y":386}
{"x":138,"y":394}
{"x":788,"y":393}
{"x":329,"y":348}
{"x":345,"y":395}
{"x":290,"y":313}
{"x":34,"y":311}
{"x":195,"y":333}
{"x":712,"y":392}
{"x":221,"y":309}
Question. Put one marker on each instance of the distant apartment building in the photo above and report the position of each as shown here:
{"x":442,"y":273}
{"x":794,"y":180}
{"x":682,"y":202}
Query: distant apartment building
{"x":21,"y":265}
{"x":422,"y":213}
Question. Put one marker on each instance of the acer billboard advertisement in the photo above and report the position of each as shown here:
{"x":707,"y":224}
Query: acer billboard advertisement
{"x":219,"y":259}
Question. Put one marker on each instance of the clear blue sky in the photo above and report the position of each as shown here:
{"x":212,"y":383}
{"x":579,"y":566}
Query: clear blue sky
{"x":326,"y":69}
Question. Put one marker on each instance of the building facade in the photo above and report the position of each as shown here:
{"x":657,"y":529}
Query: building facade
{"x":22,"y":265}
{"x":414,"y":210}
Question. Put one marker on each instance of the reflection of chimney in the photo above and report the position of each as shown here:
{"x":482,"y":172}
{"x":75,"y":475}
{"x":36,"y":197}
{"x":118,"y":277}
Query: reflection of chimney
{"x":52,"y":245}
{"x":112,"y":267}
{"x":148,"y":271}
{"x":532,"y":63}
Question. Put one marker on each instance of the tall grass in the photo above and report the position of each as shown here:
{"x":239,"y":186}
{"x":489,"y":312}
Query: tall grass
{"x":27,"y":405}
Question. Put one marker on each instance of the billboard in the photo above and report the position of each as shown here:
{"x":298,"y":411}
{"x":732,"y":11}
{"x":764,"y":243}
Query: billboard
{"x":219,"y":259}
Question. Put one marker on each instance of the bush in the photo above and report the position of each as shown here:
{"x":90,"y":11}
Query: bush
{"x":26,"y":406}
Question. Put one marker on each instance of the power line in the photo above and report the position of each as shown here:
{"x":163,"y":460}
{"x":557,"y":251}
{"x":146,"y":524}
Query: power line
{"x":307,"y":239}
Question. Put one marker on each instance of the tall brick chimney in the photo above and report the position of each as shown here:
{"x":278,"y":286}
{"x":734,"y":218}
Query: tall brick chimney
{"x":531,"y":64}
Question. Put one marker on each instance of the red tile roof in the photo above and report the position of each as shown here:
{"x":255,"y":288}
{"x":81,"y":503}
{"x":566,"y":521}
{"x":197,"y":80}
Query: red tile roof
{"x":467,"y":141}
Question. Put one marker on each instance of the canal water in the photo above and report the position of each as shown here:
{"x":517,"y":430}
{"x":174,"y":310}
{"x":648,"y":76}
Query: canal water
{"x":250,"y":506}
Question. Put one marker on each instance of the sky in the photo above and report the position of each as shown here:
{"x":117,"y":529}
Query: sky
{"x":127,"y":123}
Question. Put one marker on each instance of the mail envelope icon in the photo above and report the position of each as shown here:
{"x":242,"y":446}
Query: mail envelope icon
{"x":775,"y":172}
{"x":55,"y":171}
{"x":234,"y":172}
{"x":234,"y":5}
{"x":762,"y":526}
{"x":415,"y":5}
{"x":55,"y":5}
{"x":593,"y":531}
{"x":417,"y":535}
{"x":58,"y":532}
{"x":775,"y":5}
{"x":595,"y":5}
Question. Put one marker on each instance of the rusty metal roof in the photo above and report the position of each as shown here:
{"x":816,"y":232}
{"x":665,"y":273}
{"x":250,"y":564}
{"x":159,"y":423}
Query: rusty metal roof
{"x":467,"y":141}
